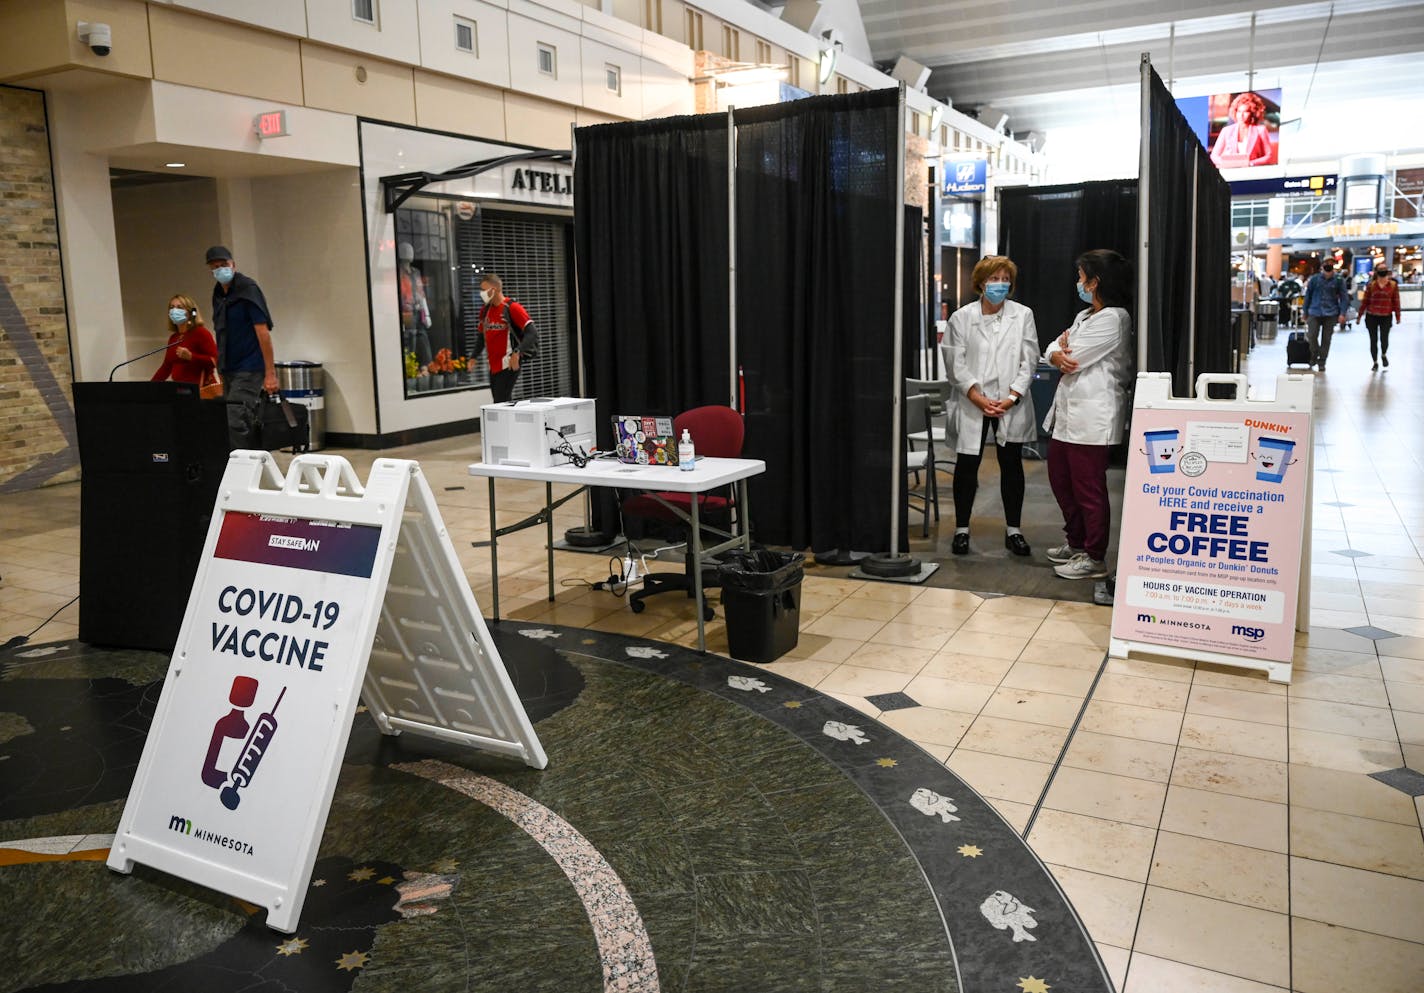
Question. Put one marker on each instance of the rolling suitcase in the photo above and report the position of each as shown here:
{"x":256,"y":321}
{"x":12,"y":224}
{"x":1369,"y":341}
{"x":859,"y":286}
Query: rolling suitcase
{"x":1297,"y":349}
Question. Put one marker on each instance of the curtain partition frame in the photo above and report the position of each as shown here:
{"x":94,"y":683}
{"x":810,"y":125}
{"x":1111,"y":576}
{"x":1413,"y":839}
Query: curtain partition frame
{"x":1192,"y":282}
{"x":733,"y":380}
{"x":1144,"y":191}
{"x":897,"y":448}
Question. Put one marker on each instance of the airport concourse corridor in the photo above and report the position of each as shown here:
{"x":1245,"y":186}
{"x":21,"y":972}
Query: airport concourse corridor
{"x":1215,"y":833}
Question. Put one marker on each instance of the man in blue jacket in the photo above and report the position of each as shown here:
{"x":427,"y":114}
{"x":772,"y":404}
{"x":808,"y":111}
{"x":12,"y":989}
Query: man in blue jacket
{"x":243,"y":323}
{"x":1326,"y":302}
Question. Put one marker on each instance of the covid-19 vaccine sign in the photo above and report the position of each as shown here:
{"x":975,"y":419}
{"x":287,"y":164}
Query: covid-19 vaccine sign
{"x":1210,"y":549}
{"x":292,"y":600}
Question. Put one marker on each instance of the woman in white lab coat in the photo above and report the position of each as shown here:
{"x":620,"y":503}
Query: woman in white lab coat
{"x":993,"y":349}
{"x":1089,"y":411}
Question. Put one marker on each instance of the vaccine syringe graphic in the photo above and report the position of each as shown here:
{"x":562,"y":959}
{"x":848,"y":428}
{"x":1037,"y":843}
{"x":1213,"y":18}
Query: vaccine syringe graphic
{"x":253,"y":749}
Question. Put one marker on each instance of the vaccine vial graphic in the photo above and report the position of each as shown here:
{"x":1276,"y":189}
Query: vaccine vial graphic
{"x":232,"y":725}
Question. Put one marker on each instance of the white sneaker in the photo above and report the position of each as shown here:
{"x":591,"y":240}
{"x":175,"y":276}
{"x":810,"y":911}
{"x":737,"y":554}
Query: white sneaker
{"x":1082,"y":567}
{"x":1063,"y":553}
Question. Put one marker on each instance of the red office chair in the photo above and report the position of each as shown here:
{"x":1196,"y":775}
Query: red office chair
{"x":717,"y":433}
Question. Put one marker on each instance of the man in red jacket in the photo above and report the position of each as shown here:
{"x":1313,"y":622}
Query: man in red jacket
{"x":1379,"y":309}
{"x":508,"y":335}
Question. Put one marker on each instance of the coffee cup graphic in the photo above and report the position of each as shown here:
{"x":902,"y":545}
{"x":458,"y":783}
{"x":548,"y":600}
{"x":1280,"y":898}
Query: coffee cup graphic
{"x":1273,"y":457}
{"x":1162,"y":449}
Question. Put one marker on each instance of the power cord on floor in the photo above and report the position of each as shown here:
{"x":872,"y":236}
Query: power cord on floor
{"x":22,"y":639}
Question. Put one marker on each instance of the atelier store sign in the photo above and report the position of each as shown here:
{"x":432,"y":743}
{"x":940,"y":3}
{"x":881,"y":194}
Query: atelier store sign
{"x":543,"y":183}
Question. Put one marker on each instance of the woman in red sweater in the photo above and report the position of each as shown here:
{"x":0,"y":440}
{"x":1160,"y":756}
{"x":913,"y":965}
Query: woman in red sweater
{"x":192,"y":350}
{"x":1381,"y":302}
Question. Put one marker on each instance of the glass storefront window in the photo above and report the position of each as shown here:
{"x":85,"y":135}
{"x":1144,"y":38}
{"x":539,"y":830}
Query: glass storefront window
{"x":433,"y":352}
{"x":443,"y":246}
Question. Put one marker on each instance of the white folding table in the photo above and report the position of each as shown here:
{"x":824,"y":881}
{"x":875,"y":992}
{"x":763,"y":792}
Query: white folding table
{"x":709,"y":475}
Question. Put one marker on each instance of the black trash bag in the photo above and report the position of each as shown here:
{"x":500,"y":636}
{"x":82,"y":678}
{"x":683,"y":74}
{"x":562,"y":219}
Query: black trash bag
{"x":761,"y":570}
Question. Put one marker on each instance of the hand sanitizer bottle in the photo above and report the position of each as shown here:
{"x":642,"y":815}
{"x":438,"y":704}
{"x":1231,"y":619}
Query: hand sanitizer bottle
{"x":686,"y":455}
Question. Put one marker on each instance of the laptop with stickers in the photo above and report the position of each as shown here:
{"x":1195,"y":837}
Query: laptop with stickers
{"x":644,"y":440}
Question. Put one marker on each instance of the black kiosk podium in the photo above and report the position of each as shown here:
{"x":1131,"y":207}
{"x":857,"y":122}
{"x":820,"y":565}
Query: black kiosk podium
{"x":152,"y":456}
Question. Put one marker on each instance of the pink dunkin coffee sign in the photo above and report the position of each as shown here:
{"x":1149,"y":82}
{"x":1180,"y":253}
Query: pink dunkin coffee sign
{"x":1209,"y":555}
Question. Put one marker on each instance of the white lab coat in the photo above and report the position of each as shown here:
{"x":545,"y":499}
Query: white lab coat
{"x":1090,"y":406}
{"x":997,"y":355}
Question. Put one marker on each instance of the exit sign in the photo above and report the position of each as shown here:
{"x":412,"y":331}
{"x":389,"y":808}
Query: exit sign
{"x":272,"y":124}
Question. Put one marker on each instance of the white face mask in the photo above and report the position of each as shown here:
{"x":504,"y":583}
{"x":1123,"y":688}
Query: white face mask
{"x":485,"y":295}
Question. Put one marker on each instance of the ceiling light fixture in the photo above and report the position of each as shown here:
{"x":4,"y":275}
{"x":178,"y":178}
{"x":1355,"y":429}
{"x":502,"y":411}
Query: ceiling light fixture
{"x":175,"y":165}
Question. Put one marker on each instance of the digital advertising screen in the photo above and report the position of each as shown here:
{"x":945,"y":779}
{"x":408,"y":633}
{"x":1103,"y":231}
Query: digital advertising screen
{"x":1241,"y":130}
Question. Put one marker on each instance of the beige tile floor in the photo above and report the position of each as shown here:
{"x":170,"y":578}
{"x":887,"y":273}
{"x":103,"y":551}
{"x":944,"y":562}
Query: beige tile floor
{"x":1218,"y":833}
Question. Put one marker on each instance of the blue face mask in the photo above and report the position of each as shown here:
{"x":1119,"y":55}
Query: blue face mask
{"x":178,"y":316}
{"x":1085,"y":295}
{"x":996,"y":293}
{"x":223,"y":274}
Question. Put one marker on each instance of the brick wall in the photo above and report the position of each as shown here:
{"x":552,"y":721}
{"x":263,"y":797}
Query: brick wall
{"x":37,"y":445}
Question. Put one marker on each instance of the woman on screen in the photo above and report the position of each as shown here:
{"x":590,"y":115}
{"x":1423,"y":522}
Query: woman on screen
{"x":1245,"y":141}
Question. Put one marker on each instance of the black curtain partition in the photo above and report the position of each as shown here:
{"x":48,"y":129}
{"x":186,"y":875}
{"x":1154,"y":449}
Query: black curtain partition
{"x":816,"y":190}
{"x":1045,"y":228}
{"x":652,"y":245}
{"x":1176,"y":156}
{"x":1215,"y":335}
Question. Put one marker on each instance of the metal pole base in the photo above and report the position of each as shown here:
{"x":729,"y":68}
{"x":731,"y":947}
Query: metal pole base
{"x":886,"y":565}
{"x":587,"y":537}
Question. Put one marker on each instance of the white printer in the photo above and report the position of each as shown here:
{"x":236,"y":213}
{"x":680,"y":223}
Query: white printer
{"x":529,"y":432}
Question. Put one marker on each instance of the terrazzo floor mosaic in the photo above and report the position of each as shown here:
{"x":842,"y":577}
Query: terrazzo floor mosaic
{"x":702,"y":826}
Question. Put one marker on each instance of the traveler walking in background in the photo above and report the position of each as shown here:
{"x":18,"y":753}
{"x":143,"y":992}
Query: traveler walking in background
{"x":1379,"y":309}
{"x":1326,"y":302}
{"x":243,"y":322}
{"x":1286,"y":292}
{"x":993,"y":350}
{"x":507,"y":334}
{"x":1089,"y":411}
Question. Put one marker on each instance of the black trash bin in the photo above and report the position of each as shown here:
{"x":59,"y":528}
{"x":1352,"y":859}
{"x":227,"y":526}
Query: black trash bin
{"x":761,"y":595}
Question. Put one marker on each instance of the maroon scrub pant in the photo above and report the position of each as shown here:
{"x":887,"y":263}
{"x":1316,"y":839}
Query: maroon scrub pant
{"x":1079,"y":477}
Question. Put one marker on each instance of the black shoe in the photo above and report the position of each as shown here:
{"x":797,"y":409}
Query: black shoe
{"x":1017,"y":544}
{"x":1375,"y":367}
{"x":1385,"y":360}
{"x":960,"y":545}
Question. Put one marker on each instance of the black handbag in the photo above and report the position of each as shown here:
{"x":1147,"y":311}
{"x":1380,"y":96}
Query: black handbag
{"x":283,"y":425}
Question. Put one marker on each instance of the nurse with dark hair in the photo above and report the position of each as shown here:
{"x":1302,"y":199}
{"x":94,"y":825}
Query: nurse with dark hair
{"x":1089,"y":411}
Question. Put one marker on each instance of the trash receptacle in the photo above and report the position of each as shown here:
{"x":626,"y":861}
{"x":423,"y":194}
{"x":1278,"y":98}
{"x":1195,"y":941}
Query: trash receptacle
{"x":761,"y":595}
{"x":305,"y":383}
{"x":1041,"y":388}
{"x":1267,"y":318}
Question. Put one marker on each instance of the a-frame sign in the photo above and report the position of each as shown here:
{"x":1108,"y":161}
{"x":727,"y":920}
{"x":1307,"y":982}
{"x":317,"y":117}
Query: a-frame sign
{"x":313,"y":592}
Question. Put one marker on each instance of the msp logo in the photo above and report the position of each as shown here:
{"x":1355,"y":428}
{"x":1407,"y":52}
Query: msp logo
{"x":1250,"y":634}
{"x":1146,"y":619}
{"x":180,"y":824}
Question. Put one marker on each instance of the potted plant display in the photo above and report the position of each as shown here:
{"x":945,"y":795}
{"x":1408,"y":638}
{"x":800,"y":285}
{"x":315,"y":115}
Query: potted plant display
{"x":442,"y":370}
{"x":412,"y":371}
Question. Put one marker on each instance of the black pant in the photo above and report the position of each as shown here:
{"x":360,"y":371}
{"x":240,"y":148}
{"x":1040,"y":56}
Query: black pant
{"x":1011,"y":478}
{"x":1378,"y":326}
{"x":502,"y":385}
{"x":243,"y":393}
